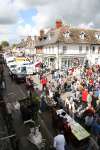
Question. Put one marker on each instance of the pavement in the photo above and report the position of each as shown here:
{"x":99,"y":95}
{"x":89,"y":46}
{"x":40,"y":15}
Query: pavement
{"x":4,"y":144}
{"x":17,"y":92}
{"x":13,"y":91}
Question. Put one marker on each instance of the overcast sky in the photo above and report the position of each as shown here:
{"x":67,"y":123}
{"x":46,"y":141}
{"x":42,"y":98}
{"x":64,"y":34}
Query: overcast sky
{"x":19,"y":18}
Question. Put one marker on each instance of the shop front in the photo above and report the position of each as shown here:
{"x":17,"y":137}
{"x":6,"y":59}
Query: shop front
{"x":72,"y":61}
{"x":50,"y":61}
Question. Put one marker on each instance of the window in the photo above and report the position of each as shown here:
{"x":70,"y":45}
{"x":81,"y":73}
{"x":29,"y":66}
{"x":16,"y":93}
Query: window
{"x":97,"y":35}
{"x":96,"y":60}
{"x":82,"y":35}
{"x":64,"y":48}
{"x":49,"y":49}
{"x":52,"y":46}
{"x":66,"y":34}
{"x":18,"y":68}
{"x":93,"y":49}
{"x":87,"y":48}
{"x":23,"y":69}
{"x":80,"y":48}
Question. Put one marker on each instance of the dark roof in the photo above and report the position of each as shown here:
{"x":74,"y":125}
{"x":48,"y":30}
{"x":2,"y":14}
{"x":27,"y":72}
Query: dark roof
{"x":74,"y":36}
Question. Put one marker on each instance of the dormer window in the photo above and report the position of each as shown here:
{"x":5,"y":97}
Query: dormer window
{"x":82,"y":35}
{"x":97,"y":35}
{"x":66,"y":34}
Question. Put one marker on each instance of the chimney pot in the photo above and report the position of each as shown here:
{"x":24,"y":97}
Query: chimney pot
{"x":41,"y":33}
{"x":58,"y":24}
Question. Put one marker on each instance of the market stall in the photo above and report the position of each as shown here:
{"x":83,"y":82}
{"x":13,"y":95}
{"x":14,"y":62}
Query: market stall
{"x":73,"y":131}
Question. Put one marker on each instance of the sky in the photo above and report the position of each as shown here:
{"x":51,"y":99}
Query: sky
{"x":20,"y":18}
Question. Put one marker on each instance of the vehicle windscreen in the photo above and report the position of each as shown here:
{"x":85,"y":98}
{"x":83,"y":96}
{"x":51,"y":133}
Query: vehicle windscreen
{"x":23,"y":69}
{"x":13,"y":66}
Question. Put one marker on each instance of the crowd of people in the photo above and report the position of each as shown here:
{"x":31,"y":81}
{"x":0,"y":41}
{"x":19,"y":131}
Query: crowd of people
{"x":82,"y":101}
{"x":81,"y":86}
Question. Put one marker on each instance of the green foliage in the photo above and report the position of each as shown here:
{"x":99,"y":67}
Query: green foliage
{"x":0,"y":47}
{"x":4,"y":43}
{"x":14,"y":45}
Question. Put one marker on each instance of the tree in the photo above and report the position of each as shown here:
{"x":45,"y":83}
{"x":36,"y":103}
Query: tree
{"x":14,"y":45}
{"x":4,"y":44}
{"x":0,"y":47}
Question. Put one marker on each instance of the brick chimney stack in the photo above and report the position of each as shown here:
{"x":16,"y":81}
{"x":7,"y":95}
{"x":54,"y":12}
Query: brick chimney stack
{"x":58,"y":24}
{"x":41,"y":33}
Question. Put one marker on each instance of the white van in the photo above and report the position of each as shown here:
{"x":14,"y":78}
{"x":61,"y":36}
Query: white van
{"x":12,"y":67}
{"x":9,"y":60}
{"x":21,"y":71}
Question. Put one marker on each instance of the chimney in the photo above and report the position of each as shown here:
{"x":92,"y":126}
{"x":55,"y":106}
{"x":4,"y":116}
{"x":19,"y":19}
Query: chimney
{"x":58,"y":24}
{"x":41,"y":33}
{"x":35,"y":38}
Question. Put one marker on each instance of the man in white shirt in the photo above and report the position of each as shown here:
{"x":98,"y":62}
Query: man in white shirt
{"x":59,"y":142}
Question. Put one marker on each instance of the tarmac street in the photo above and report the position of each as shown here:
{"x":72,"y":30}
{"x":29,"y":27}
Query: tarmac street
{"x":15,"y":92}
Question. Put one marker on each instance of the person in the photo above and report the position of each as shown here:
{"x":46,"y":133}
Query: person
{"x":42,"y":104}
{"x":59,"y":141}
{"x":56,"y":96}
{"x":84,"y":95}
{"x":96,"y":127}
{"x":89,"y":98}
{"x":50,"y":94}
{"x":44,"y":83}
{"x":88,"y":121}
{"x":9,"y":110}
{"x":16,"y":106}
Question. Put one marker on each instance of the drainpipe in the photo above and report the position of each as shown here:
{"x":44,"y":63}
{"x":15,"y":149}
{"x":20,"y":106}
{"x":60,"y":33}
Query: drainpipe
{"x":58,"y":54}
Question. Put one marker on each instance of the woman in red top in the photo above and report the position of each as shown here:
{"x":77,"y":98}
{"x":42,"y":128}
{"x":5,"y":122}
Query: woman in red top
{"x":44,"y":83}
{"x":84,"y":95}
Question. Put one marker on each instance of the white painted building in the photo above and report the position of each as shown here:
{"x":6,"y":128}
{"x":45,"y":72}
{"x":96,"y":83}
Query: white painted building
{"x":67,"y":46}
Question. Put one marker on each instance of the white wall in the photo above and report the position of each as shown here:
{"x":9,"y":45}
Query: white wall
{"x":74,"y":49}
{"x":93,"y":59}
{"x":71,"y":49}
{"x":50,"y":50}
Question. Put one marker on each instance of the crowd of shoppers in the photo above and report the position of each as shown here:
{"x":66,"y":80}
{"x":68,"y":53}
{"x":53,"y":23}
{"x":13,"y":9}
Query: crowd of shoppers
{"x":82,"y":101}
{"x":83,"y":104}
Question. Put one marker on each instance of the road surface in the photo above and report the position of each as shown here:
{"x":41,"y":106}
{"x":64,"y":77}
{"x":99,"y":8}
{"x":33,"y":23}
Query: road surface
{"x":12,"y":93}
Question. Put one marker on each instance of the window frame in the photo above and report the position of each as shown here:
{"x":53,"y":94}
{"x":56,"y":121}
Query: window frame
{"x":93,"y":49}
{"x":80,"y":48}
{"x":82,"y":35}
{"x":87,"y":48}
{"x":66,"y":34}
{"x":65,"y":48}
